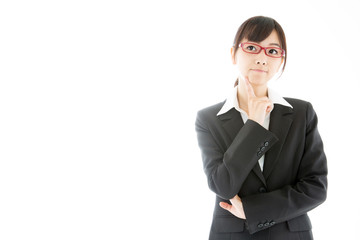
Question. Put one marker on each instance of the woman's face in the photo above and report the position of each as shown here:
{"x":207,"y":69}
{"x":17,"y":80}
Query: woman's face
{"x":258,"y":68}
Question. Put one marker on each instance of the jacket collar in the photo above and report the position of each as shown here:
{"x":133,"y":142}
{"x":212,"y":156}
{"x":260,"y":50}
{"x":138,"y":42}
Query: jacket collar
{"x":232,"y":101}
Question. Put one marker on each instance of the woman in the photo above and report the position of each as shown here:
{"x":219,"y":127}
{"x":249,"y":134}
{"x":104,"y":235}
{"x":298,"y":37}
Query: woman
{"x":262,"y":153}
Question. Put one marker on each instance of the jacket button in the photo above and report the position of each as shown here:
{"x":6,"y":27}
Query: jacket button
{"x":262,"y":149}
{"x":266,"y":224}
{"x":259,"y":153}
{"x":262,"y":190}
{"x":272,"y":223}
{"x":266,"y":144}
{"x":260,"y":225}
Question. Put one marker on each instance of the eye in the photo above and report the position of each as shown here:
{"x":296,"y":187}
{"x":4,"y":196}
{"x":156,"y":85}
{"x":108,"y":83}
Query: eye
{"x":251,"y":48}
{"x":273,"y":51}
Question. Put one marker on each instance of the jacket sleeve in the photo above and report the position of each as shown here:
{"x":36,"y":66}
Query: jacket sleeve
{"x":266,"y":209}
{"x":226,"y":170}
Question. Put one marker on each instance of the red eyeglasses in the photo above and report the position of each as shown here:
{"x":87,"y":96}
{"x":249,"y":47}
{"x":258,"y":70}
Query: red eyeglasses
{"x":253,"y":48}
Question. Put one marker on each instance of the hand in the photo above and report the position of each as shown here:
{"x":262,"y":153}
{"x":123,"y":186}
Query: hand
{"x":236,"y":208}
{"x":257,"y":107}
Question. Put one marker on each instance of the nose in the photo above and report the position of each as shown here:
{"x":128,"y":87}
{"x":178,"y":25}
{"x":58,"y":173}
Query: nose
{"x":261,"y":62}
{"x":261,"y":59}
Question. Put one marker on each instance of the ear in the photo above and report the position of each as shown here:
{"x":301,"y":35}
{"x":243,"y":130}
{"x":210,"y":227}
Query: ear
{"x":232,"y":52}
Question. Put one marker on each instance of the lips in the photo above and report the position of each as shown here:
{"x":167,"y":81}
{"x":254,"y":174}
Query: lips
{"x":259,"y":70}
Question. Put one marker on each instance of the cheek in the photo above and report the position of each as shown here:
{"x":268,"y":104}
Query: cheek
{"x":243,"y":61}
{"x":275,"y":67}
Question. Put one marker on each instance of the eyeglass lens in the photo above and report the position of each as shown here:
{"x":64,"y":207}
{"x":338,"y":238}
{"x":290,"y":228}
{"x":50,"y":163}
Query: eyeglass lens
{"x":270,"y":51}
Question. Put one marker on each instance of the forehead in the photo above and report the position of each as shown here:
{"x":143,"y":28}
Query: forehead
{"x":272,"y":39}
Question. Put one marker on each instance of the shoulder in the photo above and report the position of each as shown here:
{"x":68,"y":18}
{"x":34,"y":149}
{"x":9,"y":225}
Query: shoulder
{"x":298,"y":104}
{"x":302,"y":107}
{"x":211,"y":111}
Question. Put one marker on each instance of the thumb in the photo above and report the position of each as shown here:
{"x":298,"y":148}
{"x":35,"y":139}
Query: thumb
{"x":270,"y":107}
{"x":225,"y":206}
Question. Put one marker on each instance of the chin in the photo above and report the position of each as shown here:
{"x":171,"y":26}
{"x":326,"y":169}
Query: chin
{"x":258,"y":80}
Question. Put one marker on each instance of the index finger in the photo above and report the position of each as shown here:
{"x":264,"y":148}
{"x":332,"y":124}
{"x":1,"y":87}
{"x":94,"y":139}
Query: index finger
{"x":249,"y":88}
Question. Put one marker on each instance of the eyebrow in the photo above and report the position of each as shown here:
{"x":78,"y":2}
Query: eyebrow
{"x":276,"y":44}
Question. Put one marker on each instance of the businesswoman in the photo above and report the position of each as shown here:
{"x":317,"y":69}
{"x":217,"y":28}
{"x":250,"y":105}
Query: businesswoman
{"x":262,"y":153}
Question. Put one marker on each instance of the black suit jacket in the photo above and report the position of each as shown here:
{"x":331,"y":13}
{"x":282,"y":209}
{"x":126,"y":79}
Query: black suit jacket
{"x":293,"y":181}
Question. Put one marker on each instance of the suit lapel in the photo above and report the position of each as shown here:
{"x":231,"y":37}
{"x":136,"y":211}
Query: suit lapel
{"x":259,"y":173}
{"x":280,"y":123}
{"x":232,"y":122}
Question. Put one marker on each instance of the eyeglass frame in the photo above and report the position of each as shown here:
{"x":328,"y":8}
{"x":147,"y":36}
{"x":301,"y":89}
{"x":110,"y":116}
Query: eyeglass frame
{"x":261,"y":48}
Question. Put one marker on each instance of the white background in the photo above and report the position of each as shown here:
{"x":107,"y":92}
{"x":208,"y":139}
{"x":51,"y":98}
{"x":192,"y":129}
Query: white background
{"x":98,"y":101}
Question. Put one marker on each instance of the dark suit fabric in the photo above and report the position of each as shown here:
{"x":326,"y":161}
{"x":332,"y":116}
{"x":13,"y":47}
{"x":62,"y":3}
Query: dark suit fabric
{"x":293,"y":181}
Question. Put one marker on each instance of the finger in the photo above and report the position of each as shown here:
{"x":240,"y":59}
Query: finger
{"x":225,"y":206}
{"x":249,"y":88}
{"x":270,"y":107}
{"x":265,"y":102}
